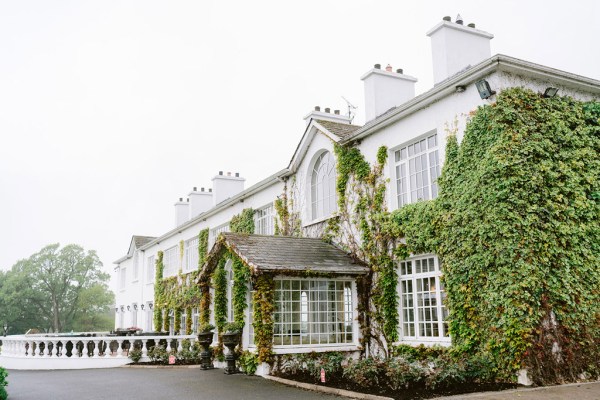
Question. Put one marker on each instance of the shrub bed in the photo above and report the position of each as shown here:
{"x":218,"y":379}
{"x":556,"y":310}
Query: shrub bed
{"x":419,"y":372}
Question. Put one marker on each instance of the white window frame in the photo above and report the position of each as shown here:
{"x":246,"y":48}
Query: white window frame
{"x":195,"y":320}
{"x":323,"y":193}
{"x":171,"y":261}
{"x":150,"y":269}
{"x":264,"y":220}
{"x":422,"y":272}
{"x":135,"y":272}
{"x":149,"y":317}
{"x":214,"y":233}
{"x":412,"y":182}
{"x":123,"y":279}
{"x":305,"y":330}
{"x":191,"y":254}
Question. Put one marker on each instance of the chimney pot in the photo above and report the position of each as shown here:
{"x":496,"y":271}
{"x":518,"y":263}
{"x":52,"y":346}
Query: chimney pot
{"x":400,"y":71}
{"x":188,"y":199}
{"x":327,"y":109}
{"x":195,"y":189}
{"x":237,"y":174}
{"x":336,"y":112}
{"x":181,"y":199}
{"x":471,"y":25}
{"x":317,"y":108}
{"x":228,"y":173}
{"x":459,"y":19}
{"x":202,"y":189}
{"x":209,"y":190}
{"x":447,"y":18}
{"x":377,"y":66}
{"x":389,"y":68}
{"x":220,"y":172}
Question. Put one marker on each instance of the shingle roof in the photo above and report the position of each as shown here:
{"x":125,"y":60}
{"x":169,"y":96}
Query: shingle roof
{"x":142,"y":240}
{"x":285,"y":253}
{"x":340,"y":130}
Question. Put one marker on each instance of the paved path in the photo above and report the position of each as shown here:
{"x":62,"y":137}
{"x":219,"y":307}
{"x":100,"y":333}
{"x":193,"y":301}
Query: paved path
{"x":188,"y":384}
{"x":148,"y":384}
{"x":577,"y":391}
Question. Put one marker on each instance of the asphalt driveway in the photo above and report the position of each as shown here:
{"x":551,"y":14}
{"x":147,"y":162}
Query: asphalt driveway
{"x":138,"y":383}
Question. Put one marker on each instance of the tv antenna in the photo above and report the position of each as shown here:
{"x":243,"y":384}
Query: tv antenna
{"x":351,"y":107}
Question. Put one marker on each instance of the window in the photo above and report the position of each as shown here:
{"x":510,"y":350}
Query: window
{"x":417,"y":170}
{"x":195,"y":320}
{"x":214,"y":233}
{"x":313,"y":312}
{"x":134,"y":312}
{"x":171,"y":322}
{"x":191,"y":254}
{"x":135,"y":271}
{"x":229,"y":272}
{"x":122,"y":279}
{"x":149,"y":317}
{"x":183,"y":323}
{"x":150,"y":269}
{"x":264,"y":221}
{"x":422,"y":295}
{"x":322,"y":187}
{"x":170,"y":261}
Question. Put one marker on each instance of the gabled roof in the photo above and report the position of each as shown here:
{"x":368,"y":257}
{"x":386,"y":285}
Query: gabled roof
{"x":142,"y":240}
{"x":338,"y":129}
{"x":285,"y":254}
{"x":135,"y":243}
{"x":335,"y":131}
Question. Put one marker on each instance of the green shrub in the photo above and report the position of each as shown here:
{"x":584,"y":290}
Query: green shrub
{"x":158,"y":354}
{"x":3,"y":383}
{"x":135,"y":355}
{"x":248,"y":362}
{"x":399,"y":373}
{"x":364,"y":372}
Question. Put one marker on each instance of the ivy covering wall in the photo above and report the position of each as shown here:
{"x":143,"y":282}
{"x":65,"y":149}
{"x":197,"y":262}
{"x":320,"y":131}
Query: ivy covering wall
{"x":518,"y":232}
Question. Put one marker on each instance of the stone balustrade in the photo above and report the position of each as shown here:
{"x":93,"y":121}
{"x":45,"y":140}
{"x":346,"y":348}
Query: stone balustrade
{"x":39,"y":352}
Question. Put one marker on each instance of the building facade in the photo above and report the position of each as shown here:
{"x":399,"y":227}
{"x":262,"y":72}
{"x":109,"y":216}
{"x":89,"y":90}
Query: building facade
{"x":320,"y":312}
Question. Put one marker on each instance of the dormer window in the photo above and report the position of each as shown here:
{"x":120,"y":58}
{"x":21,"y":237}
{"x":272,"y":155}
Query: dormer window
{"x":322,"y":184}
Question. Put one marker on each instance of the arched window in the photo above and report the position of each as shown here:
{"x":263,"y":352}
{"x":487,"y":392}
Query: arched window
{"x":322,"y":184}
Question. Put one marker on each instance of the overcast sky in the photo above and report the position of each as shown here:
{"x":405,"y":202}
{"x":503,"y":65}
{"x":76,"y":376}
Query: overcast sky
{"x":112,"y":110}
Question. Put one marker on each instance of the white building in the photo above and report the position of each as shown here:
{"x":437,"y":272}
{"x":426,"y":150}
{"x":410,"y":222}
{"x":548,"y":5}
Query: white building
{"x":414,"y":131}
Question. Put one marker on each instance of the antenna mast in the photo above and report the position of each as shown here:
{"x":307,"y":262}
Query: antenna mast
{"x":350,"y":108}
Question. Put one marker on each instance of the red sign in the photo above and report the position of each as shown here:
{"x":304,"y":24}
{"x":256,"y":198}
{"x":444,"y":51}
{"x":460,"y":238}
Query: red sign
{"x":322,"y":375}
{"x":171,"y":359}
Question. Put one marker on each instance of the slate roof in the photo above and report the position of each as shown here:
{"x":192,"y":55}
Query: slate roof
{"x":338,"y":129}
{"x":285,"y":253}
{"x":142,"y":240}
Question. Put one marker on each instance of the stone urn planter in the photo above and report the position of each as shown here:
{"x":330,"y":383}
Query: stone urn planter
{"x":231,"y":338}
{"x":205,"y":339}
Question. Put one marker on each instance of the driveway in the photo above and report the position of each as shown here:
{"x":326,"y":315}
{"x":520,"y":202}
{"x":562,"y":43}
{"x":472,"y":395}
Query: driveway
{"x":146,"y":383}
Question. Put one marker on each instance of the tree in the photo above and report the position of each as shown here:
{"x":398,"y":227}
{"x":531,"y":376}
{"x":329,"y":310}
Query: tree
{"x":53,"y":287}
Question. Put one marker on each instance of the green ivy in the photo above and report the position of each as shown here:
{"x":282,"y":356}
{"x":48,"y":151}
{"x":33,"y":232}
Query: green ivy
{"x":263,"y":299}
{"x":288,"y":221}
{"x":243,"y":222}
{"x":518,"y":231}
{"x":202,"y":247}
{"x":158,"y":290}
{"x":219,"y":278}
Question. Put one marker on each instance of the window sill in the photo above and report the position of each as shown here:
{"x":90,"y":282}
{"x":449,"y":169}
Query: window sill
{"x":135,"y":281}
{"x":317,"y":348}
{"x":445,"y":341}
{"x":319,"y":220}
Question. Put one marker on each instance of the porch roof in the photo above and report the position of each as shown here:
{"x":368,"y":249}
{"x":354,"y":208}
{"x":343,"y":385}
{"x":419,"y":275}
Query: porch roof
{"x":287,"y":254}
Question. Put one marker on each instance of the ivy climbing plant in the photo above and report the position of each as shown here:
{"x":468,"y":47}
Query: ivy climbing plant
{"x":518,"y":231}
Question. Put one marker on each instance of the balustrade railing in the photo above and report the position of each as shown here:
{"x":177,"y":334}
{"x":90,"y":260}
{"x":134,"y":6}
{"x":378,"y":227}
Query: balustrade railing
{"x":72,"y":352}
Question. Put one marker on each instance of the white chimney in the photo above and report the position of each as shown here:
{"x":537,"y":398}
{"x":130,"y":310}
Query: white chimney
{"x":200,"y":201}
{"x":182,"y":213}
{"x":226,"y":186}
{"x":327,"y":115}
{"x":455,"y":47}
{"x":385,"y":90}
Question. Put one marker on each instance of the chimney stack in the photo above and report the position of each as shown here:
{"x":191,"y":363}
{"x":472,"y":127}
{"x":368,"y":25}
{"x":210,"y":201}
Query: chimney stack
{"x":200,"y":201}
{"x":386,"y":89}
{"x":226,"y":186}
{"x":182,"y":213}
{"x":455,"y":47}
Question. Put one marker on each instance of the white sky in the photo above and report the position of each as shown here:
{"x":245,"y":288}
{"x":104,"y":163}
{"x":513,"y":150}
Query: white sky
{"x":112,"y":110}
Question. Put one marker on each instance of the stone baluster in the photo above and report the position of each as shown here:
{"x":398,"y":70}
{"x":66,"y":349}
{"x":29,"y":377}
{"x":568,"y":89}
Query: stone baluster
{"x":54,"y":348}
{"x":168,"y":344}
{"x":179,"y":345}
{"x":144,"y":347}
{"x":96,"y":353}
